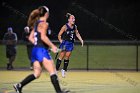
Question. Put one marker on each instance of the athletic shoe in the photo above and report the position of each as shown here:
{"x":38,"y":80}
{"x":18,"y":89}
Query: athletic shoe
{"x":18,"y":88}
{"x":9,"y":67}
{"x":12,"y":67}
{"x":63,"y":73}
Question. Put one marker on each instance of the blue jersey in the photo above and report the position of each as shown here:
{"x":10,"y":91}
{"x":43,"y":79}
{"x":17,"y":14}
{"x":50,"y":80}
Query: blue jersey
{"x":68,"y":38}
{"x":40,"y":49}
{"x":69,"y":34}
{"x":37,"y":37}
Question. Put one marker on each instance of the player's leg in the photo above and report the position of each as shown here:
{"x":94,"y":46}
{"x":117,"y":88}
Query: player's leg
{"x":66,"y":63}
{"x":61,"y":55}
{"x":66,"y":60}
{"x":69,"y":48}
{"x":37,"y":72}
{"x":49,"y":65}
{"x":59,"y":60}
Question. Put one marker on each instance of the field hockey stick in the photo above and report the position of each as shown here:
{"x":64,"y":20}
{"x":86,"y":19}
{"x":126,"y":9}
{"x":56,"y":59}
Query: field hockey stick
{"x":58,"y":50}
{"x":57,"y":54}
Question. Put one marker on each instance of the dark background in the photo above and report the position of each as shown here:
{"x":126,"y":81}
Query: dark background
{"x":96,"y":19}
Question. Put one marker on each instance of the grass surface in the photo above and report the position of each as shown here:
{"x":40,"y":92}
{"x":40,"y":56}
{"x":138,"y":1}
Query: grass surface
{"x":100,"y":57}
{"x":75,"y":81}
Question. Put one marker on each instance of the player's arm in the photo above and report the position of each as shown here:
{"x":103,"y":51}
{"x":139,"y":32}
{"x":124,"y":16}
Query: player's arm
{"x":31,"y":37}
{"x":43,"y":28}
{"x":79,"y":36}
{"x":60,"y":33}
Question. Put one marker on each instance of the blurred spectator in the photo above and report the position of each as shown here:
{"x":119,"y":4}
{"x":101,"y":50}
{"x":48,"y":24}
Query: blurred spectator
{"x":10,"y":40}
{"x":29,"y":45}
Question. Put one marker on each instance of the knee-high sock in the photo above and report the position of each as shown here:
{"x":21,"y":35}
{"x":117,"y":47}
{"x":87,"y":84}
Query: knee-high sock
{"x":58,"y":63}
{"x":55,"y":82}
{"x":27,"y":80}
{"x":66,"y":63}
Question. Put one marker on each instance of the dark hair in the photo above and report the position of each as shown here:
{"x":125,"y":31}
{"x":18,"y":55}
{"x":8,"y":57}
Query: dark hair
{"x":43,"y":10}
{"x":36,"y":14}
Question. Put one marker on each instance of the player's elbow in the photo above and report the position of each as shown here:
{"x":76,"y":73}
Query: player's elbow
{"x":59,"y":36}
{"x":31,"y":39}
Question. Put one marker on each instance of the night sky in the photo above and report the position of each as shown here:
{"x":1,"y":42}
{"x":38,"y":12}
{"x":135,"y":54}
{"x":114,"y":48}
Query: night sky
{"x":96,"y":19}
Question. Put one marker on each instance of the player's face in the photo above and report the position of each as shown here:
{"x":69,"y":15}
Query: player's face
{"x":71,"y":19}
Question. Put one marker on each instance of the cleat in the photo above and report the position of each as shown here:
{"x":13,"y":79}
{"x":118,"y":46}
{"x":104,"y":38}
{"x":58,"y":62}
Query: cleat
{"x":63,"y":73}
{"x":9,"y":67}
{"x":17,"y":87}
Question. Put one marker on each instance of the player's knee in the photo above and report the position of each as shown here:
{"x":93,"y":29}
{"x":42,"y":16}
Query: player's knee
{"x":61,"y":57}
{"x":67,"y":57}
{"x":37,"y":75}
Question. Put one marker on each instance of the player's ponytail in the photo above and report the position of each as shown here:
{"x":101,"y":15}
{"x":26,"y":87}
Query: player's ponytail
{"x":34,"y":16}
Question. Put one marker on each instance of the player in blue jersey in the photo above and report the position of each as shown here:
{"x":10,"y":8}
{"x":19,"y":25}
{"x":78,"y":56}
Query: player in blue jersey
{"x":66,"y":38}
{"x":40,"y":54}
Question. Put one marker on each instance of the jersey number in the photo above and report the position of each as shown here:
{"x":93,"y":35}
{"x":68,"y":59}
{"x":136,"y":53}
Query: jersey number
{"x":71,"y":37}
{"x":35,"y":38}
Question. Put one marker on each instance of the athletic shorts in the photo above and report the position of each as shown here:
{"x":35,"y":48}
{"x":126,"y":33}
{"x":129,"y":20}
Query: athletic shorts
{"x":38,"y":53}
{"x":67,"y":46}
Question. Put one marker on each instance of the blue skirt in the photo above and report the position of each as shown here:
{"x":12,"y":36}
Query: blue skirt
{"x":38,"y":53}
{"x":67,"y":46}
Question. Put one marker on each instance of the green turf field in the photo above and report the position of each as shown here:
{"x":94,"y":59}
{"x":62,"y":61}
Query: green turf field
{"x":100,"y":57}
{"x":75,"y":81}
